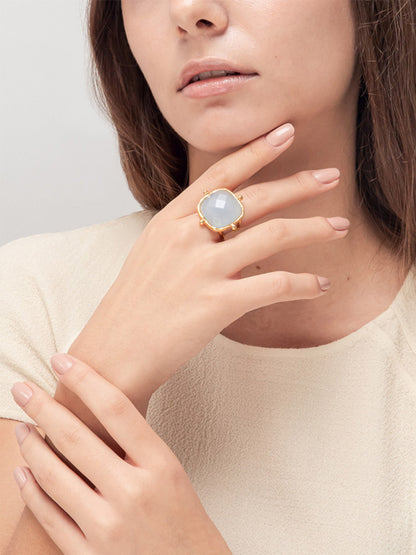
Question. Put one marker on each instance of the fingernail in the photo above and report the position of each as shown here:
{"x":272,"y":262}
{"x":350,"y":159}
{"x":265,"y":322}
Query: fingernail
{"x":324,"y":283}
{"x":19,"y":476}
{"x":21,"y":431}
{"x":279,"y":136}
{"x":339,"y":223}
{"x":328,"y":175}
{"x":61,"y":363}
{"x":21,"y":393}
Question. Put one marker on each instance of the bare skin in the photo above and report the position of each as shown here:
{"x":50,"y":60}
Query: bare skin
{"x":307,"y":74}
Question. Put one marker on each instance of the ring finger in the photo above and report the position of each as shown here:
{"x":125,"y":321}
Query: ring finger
{"x":265,"y":239}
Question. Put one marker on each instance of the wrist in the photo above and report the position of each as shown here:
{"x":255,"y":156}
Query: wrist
{"x":109,"y":367}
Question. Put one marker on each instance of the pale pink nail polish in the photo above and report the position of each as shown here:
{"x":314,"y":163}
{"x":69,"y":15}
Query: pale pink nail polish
{"x":21,"y":431}
{"x":338,"y":223}
{"x":21,"y":393}
{"x":279,"y":136}
{"x":19,"y":476}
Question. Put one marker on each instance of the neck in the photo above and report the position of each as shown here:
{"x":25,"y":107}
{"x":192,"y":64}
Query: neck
{"x":364,"y":276}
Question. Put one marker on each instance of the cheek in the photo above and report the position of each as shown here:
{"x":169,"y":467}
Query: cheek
{"x":312,"y":55}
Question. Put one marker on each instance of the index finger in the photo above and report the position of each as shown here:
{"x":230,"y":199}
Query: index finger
{"x":233,"y":169}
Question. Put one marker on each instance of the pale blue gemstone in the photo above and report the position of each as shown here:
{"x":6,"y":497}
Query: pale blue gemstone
{"x":220,"y":209}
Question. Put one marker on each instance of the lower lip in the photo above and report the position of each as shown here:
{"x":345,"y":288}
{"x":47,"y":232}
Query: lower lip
{"x":216,"y":85}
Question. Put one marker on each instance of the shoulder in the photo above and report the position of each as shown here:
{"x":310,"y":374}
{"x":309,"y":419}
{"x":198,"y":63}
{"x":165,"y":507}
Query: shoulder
{"x":44,"y":249}
{"x":50,"y":284}
{"x":70,"y":271}
{"x":59,"y":260}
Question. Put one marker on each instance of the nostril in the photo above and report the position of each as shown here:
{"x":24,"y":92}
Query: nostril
{"x":204,"y":23}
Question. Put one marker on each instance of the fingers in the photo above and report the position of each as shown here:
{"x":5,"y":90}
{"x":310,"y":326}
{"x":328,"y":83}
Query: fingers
{"x":275,"y":235}
{"x":263,"y":198}
{"x":61,"y":484}
{"x":57,"y":524}
{"x":232,"y":170}
{"x":86,"y":451}
{"x":125,"y":424}
{"x":272,"y":287}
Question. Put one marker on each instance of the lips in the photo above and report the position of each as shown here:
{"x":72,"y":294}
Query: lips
{"x":194,"y":67}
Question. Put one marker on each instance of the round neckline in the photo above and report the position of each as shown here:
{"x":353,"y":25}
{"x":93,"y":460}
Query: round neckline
{"x":256,"y":351}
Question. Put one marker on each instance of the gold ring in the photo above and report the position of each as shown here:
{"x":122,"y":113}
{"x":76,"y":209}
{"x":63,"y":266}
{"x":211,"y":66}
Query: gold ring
{"x":220,"y":209}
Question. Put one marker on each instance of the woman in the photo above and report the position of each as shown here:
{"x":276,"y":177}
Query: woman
{"x":280,"y":416}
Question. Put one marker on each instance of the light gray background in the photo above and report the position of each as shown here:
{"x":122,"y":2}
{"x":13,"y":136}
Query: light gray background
{"x":59,"y":163}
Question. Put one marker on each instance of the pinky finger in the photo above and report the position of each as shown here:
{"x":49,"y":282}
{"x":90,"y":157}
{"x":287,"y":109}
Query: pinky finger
{"x":275,"y":287}
{"x":59,"y":526}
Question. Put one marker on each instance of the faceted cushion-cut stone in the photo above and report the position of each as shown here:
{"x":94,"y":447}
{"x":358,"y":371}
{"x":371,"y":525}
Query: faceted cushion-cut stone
{"x":220,"y":208}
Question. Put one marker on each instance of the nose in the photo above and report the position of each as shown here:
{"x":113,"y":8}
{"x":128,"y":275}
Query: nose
{"x":199,"y":17}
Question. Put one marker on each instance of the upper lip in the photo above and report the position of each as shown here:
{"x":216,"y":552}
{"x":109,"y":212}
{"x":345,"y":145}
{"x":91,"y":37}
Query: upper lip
{"x":194,"y":67}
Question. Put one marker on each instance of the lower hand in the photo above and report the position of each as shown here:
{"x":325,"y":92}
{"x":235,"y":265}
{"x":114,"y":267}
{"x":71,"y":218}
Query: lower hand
{"x":143,"y":504}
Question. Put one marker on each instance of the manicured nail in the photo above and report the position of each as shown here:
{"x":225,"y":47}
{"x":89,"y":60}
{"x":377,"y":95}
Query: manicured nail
{"x":328,"y":175}
{"x":21,"y":393}
{"x":324,"y":283}
{"x":61,"y":363}
{"x":339,"y":223}
{"x":19,"y":476}
{"x":279,"y":136}
{"x":21,"y":431}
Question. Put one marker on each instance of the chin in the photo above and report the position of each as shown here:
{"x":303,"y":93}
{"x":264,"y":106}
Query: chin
{"x":222,"y":142}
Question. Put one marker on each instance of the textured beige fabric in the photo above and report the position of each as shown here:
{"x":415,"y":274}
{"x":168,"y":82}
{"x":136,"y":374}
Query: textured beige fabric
{"x":292,"y":451}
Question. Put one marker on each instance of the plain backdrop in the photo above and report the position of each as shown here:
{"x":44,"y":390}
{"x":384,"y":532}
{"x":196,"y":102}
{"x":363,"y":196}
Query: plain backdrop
{"x":59,"y":162}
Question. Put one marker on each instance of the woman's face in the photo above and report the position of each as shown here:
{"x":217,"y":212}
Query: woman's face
{"x":302,"y":51}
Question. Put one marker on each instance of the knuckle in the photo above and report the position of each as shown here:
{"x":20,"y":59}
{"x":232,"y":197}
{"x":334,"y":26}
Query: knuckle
{"x":219,"y":173}
{"x":256,"y":150}
{"x":116,"y":404}
{"x":69,"y":437}
{"x":282,"y":284}
{"x":109,"y":525}
{"x":277,"y":228}
{"x":183,"y":232}
{"x":79,"y":374}
{"x":305,"y":181}
{"x":131,"y":490}
{"x":46,"y":478}
{"x":256,"y":194}
{"x":210,"y":258}
{"x":210,"y":299}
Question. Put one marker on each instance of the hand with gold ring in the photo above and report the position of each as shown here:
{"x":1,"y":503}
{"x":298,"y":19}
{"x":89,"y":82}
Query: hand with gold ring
{"x":180,"y":284}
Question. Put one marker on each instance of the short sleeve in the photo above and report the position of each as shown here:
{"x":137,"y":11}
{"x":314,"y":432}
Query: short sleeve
{"x":26,"y":338}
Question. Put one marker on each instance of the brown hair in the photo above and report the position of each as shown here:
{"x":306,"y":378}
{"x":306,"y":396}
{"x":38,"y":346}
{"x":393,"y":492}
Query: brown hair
{"x":154,"y":156}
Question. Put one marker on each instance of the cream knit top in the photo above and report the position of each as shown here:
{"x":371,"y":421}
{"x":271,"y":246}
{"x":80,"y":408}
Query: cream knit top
{"x":291,"y":451}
